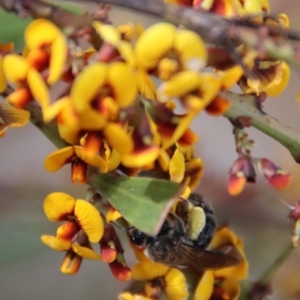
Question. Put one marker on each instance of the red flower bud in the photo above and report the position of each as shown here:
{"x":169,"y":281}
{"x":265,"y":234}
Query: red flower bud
{"x":276,"y":176}
{"x":242,"y":171}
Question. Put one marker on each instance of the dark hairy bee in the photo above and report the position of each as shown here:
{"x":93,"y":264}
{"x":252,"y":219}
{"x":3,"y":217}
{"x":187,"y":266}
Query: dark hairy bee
{"x":183,"y":239}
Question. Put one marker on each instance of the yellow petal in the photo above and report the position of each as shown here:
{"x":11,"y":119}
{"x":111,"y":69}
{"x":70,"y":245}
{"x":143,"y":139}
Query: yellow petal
{"x":177,"y":166}
{"x":194,"y":169}
{"x":2,"y":76}
{"x":164,"y":160}
{"x":58,"y":58}
{"x":125,"y":296}
{"x":176,"y":287}
{"x":167,"y":67}
{"x":57,"y":159}
{"x":38,"y":88}
{"x":55,"y":108}
{"x":56,"y":243}
{"x":58,"y":206}
{"x":231,"y":288}
{"x":162,"y":36}
{"x":91,"y":120}
{"x":112,"y":215}
{"x":118,"y":138}
{"x":15,"y":68}
{"x":210,"y":86}
{"x":107,"y":32}
{"x":275,"y":90}
{"x":13,"y":117}
{"x":231,"y":77}
{"x":25,"y":51}
{"x":35,"y":33}
{"x":270,"y":77}
{"x":252,"y":6}
{"x":126,"y":51}
{"x":69,"y":134}
{"x":148,"y":270}
{"x":89,"y":219}
{"x":114,"y":160}
{"x":141,"y":157}
{"x":265,"y":5}
{"x":224,"y":236}
{"x":205,"y":287}
{"x":179,"y":131}
{"x":85,"y":252}
{"x":123,"y":83}
{"x":107,"y":151}
{"x":71,"y":263}
{"x":146,"y":86}
{"x":81,"y":95}
{"x":179,"y":85}
{"x":94,"y":160}
{"x":191,"y":49}
{"x":128,"y":296}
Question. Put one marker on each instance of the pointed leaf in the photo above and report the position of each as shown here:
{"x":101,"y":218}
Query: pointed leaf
{"x":143,"y":202}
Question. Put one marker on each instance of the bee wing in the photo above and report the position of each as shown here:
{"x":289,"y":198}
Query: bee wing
{"x":198,"y":260}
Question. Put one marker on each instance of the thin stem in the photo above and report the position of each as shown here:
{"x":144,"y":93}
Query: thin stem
{"x":262,"y":288}
{"x":268,"y":275}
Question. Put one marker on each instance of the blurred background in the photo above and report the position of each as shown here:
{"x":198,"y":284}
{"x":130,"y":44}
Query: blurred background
{"x":30,"y":270}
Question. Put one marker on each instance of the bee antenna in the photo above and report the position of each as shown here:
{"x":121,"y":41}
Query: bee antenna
{"x":286,"y":204}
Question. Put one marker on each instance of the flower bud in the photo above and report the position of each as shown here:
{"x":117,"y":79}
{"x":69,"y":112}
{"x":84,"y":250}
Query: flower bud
{"x":242,"y":171}
{"x":276,"y":176}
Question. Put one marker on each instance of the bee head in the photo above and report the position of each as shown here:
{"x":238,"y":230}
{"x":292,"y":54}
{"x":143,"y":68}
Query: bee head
{"x":137,"y":237}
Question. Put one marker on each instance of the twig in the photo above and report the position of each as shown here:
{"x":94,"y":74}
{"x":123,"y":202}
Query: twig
{"x":211,"y":27}
{"x":246,"y":106}
{"x":40,"y":9}
{"x":221,"y":31}
{"x":268,"y":275}
{"x":262,"y":287}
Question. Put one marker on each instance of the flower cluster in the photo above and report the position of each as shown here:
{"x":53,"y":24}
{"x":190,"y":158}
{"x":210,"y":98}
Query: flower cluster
{"x":112,"y":112}
{"x":83,"y":226}
{"x":243,"y":168}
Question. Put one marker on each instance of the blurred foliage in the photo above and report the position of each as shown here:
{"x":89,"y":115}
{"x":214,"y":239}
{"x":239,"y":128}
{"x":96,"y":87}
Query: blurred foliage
{"x":12,"y":27}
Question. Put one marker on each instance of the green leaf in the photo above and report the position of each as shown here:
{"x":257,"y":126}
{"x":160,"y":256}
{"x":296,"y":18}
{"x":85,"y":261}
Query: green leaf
{"x":143,"y":202}
{"x":12,"y":26}
{"x":12,"y":29}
